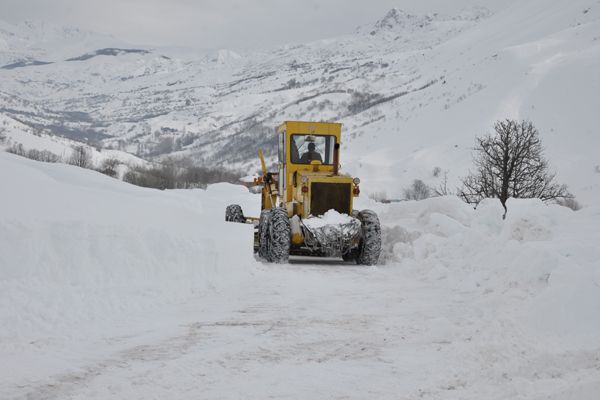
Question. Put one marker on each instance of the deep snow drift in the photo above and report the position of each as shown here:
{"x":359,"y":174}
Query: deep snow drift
{"x":76,"y":245}
{"x":113,"y":291}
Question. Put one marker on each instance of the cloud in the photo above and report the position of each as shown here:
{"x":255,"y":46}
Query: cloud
{"x":236,"y":24}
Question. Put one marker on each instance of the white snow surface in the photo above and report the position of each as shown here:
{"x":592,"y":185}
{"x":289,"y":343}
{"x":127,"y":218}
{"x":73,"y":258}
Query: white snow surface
{"x":113,"y":291}
{"x":331,"y":217}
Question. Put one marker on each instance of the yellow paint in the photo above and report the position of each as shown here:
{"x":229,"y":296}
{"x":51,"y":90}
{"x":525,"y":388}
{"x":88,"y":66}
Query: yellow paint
{"x":262,"y":161}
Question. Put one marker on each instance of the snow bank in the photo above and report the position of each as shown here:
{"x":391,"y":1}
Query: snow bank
{"x":78,"y":247}
{"x":542,"y":263}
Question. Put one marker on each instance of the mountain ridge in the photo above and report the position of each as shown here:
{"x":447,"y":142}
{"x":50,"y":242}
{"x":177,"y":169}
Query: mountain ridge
{"x":395,"y":91}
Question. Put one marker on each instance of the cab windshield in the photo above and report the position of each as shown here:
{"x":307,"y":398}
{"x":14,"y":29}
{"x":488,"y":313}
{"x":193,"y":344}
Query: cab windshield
{"x":307,"y":148}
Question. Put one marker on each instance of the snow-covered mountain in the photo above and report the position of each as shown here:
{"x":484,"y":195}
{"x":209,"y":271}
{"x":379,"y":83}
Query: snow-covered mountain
{"x":39,"y":42}
{"x":413,"y":91}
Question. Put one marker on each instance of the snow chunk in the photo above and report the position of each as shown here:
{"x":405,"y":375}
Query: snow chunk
{"x":331,"y":217}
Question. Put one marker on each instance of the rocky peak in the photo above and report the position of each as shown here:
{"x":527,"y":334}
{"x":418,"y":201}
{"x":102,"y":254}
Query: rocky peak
{"x":397,"y":19}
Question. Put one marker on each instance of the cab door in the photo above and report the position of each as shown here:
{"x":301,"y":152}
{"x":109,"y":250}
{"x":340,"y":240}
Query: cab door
{"x":282,"y":169}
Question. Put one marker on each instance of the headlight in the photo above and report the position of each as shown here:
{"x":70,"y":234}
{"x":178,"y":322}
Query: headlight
{"x":356,"y":181}
{"x":304,"y":179}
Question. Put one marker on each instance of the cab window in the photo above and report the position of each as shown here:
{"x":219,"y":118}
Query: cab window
{"x":307,"y":148}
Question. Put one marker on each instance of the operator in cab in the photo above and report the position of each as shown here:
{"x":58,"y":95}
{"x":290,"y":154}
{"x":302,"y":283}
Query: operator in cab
{"x":311,"y":155}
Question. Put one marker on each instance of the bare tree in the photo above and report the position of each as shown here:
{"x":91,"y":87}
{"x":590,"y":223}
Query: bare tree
{"x":510,"y":163}
{"x":442,"y":189}
{"x":81,"y":157}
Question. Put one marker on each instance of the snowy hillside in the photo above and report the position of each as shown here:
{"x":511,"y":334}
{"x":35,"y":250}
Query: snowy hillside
{"x":421,"y":87}
{"x":108,"y":290}
{"x":16,"y":136}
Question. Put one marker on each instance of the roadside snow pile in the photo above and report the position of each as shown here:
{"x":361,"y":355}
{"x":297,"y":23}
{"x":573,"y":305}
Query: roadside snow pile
{"x":542,"y":263}
{"x":77,"y":247}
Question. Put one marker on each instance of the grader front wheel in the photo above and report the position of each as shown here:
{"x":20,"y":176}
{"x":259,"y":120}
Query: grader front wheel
{"x":369,"y":248}
{"x":279,"y":233}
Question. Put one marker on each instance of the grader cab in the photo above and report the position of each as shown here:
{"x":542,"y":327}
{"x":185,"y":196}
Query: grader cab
{"x":307,"y":205}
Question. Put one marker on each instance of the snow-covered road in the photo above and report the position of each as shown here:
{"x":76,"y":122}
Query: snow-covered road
{"x":324,"y":330}
{"x":113,"y":291}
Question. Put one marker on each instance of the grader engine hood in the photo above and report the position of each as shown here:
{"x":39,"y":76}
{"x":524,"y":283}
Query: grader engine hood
{"x":320,"y":193}
{"x":325,"y":196}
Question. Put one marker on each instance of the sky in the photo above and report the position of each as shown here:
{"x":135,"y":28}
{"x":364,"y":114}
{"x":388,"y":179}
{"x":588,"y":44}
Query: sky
{"x":211,"y":24}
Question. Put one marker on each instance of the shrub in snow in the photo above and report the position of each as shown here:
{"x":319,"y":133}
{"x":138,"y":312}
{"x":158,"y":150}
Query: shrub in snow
{"x":81,"y":157}
{"x":380,"y":197}
{"x":179,"y":174}
{"x":569,"y":202}
{"x":2,"y":135}
{"x":510,"y":163}
{"x":33,"y":154}
{"x":436,"y":172}
{"x":109,"y":167}
{"x":43,"y":155}
{"x":418,"y":190}
{"x":157,"y":178}
{"x":362,"y":101}
{"x":18,"y":149}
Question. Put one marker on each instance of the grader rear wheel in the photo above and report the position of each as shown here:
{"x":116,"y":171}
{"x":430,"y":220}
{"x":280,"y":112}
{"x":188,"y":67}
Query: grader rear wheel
{"x":263,"y":233}
{"x":234,"y":213}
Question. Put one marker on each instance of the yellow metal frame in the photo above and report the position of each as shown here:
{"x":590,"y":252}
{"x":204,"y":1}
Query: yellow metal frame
{"x":294,"y":199}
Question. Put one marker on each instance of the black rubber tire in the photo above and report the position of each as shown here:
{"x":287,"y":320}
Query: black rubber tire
{"x":233,"y":213}
{"x":369,"y":248}
{"x":349,"y":256}
{"x":263,"y":233}
{"x":280,"y":231}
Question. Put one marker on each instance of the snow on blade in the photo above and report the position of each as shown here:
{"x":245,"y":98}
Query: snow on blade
{"x":333,"y":232}
{"x":331,"y":217}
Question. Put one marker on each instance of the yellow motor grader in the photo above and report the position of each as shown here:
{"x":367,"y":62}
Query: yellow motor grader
{"x":307,"y":205}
